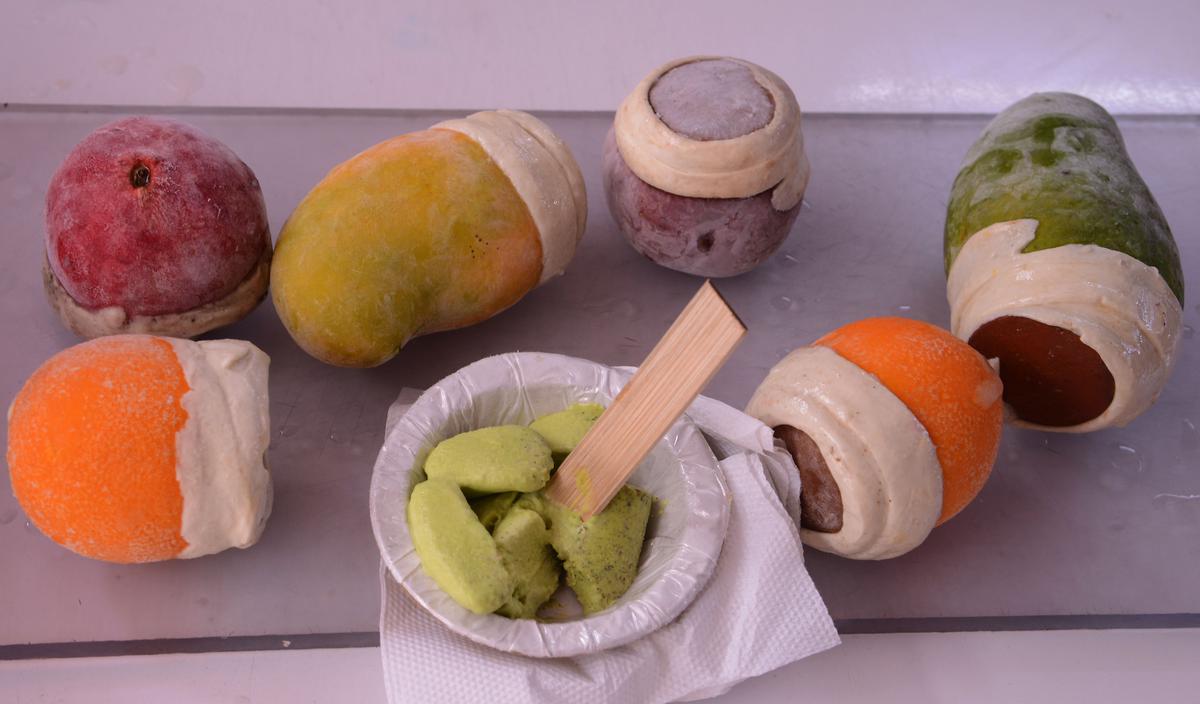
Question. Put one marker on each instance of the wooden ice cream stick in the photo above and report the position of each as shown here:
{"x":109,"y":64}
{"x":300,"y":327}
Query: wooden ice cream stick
{"x":678,"y":368}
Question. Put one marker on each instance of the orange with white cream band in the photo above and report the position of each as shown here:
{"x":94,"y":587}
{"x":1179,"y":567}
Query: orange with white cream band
{"x":907,"y":419}
{"x":135,"y":448}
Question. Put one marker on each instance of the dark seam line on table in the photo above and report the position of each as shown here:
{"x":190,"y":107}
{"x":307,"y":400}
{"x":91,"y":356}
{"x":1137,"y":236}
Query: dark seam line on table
{"x":164,"y":646}
{"x":969,"y":624}
{"x":853,"y":626}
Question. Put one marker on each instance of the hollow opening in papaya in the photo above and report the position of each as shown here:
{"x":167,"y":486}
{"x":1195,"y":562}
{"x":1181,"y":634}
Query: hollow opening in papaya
{"x":1051,"y":377}
{"x":820,"y":497}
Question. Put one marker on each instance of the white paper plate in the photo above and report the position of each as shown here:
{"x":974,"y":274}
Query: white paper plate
{"x":683,"y":539}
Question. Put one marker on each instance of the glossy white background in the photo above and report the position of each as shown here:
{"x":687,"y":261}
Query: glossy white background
{"x":843,"y":56}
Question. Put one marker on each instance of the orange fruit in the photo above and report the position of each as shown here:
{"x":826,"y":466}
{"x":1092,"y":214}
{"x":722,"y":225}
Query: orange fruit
{"x":947,"y":385}
{"x":94,"y":442}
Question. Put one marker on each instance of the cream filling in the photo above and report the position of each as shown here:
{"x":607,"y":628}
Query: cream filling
{"x":113,"y":320}
{"x":1117,"y":305}
{"x":542,"y":169}
{"x":771,"y":157}
{"x":880,"y":455}
{"x":221,"y":450}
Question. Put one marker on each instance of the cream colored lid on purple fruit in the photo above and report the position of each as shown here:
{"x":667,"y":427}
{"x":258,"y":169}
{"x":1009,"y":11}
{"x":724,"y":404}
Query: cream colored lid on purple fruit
{"x":745,"y":154}
{"x":544,"y":173}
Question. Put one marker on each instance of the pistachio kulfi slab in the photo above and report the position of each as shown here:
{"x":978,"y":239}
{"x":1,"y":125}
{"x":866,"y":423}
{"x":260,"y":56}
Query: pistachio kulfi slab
{"x":1062,"y":266}
{"x":524,"y":545}
{"x":491,"y":460}
{"x":455,"y":549}
{"x":504,"y":551}
{"x":491,"y":509}
{"x":562,"y":431}
{"x":600,"y":555}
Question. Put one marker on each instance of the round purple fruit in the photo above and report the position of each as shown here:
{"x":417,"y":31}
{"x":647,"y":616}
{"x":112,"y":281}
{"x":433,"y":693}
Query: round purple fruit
{"x":704,"y":169}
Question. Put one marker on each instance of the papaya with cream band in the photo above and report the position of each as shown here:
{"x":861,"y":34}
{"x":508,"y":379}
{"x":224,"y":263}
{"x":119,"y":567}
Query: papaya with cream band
{"x":135,"y":448}
{"x":1062,"y":266}
{"x":428,"y":231}
{"x":894,"y":425}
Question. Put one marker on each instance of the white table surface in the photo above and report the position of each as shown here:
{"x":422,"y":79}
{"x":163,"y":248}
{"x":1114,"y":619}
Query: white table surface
{"x":1087,"y":532}
{"x":924,"y":668}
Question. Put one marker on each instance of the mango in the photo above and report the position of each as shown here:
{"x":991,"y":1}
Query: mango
{"x":428,"y":231}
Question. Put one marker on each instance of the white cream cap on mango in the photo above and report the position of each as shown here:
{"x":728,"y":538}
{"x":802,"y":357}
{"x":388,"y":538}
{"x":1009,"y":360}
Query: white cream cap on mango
{"x":768,"y":158}
{"x":1120,"y":307}
{"x":544,"y":173}
{"x":880,"y":455}
{"x":221,"y":449}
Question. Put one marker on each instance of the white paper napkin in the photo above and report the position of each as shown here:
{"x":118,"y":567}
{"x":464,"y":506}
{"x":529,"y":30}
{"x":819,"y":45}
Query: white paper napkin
{"x":759,"y":612}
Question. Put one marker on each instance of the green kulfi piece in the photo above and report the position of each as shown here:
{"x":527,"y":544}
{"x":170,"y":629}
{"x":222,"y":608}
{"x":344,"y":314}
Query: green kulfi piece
{"x":492,"y":460}
{"x":491,"y":508}
{"x":601,"y":555}
{"x":1059,"y":159}
{"x":456,"y":551}
{"x":562,"y":431}
{"x":524,"y":545}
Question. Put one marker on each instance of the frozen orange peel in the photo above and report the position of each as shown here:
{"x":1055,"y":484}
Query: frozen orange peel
{"x":902,"y":421}
{"x":135,"y":448}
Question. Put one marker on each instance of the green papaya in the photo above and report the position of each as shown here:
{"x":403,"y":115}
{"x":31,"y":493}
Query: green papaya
{"x":1062,"y":266}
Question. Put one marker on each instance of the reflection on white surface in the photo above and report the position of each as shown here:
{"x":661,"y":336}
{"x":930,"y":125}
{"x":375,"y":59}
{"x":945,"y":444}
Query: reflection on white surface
{"x":849,"y":56}
{"x":920,"y":94}
{"x":984,"y":668}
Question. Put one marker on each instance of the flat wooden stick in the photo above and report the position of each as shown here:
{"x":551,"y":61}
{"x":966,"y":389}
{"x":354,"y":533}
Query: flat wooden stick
{"x":678,"y":368}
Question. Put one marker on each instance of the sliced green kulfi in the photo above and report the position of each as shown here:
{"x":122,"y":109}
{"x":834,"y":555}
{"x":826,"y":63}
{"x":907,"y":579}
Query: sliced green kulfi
{"x":562,"y":431}
{"x":456,"y":551}
{"x":524,"y":545}
{"x":491,"y":508}
{"x":600,"y":556}
{"x":1062,"y":267}
{"x":492,"y":460}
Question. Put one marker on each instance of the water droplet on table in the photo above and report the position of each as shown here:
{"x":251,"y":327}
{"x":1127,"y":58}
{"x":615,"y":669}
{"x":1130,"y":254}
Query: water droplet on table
{"x":1176,"y":502}
{"x":1188,"y":332}
{"x":903,"y":309}
{"x":626,"y":309}
{"x":1189,"y":438}
{"x":614,"y":307}
{"x":1126,"y":459}
{"x":784,"y":303}
{"x":1117,"y":482}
